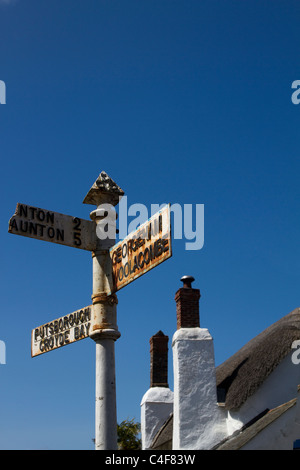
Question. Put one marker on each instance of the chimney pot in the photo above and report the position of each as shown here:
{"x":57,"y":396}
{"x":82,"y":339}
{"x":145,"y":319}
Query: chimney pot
{"x":187,"y":281}
{"x":187,"y":304}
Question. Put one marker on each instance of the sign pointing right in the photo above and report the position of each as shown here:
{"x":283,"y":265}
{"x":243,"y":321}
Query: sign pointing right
{"x":142,"y":250}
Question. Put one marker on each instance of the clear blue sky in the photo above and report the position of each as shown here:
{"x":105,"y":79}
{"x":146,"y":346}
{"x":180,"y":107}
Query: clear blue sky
{"x":181,"y":101}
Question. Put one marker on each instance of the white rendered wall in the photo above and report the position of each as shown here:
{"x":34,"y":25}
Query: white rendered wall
{"x":277,"y":389}
{"x":198,"y":422}
{"x":279,"y":435}
{"x":156,"y":407}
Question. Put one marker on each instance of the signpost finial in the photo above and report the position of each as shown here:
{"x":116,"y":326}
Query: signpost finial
{"x":104,"y":191}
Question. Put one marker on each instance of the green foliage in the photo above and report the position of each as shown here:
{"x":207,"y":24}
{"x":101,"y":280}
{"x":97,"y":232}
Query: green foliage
{"x":128,"y":435}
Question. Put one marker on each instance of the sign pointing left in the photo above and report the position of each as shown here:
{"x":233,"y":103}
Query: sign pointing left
{"x":53,"y":227}
{"x":64,"y":330}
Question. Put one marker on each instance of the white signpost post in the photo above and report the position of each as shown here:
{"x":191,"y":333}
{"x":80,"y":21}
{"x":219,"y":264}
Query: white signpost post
{"x":114,"y":266}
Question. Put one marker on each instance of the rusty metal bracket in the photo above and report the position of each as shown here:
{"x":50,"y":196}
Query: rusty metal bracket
{"x":103,"y":298}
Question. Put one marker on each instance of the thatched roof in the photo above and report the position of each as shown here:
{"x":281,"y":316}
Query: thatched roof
{"x":241,"y":375}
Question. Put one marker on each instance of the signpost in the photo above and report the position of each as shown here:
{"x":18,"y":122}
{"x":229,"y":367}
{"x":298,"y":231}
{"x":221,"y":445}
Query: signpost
{"x":114,"y":266}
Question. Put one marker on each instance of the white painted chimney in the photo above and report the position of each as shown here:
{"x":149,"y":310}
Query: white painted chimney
{"x":197,"y":420}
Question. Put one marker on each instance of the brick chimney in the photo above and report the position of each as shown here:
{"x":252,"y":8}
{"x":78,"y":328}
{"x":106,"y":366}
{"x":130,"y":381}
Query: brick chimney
{"x":159,"y":360}
{"x":187,"y":304}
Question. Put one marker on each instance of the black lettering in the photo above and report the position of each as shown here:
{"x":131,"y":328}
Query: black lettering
{"x":51,"y":328}
{"x":32,"y":209}
{"x":32,"y":228}
{"x":67,"y":340}
{"x":41,"y":229}
{"x":140,"y":242}
{"x":50,"y":217}
{"x":130,"y":270}
{"x":51,"y":232}
{"x":82,"y":316}
{"x":76,"y":235}
{"x":13,"y":225}
{"x":165,"y":243}
{"x":139,"y":260}
{"x":66,"y":323}
{"x":61,"y":324}
{"x":119,"y":255}
{"x":158,"y":247}
{"x":133,"y":245}
{"x":135,"y":266}
{"x":22,"y":210}
{"x":119,"y":273}
{"x":82,"y":332}
{"x":77,"y":223}
{"x":152,"y":253}
{"x":77,"y":239}
{"x":87,"y":327}
{"x":126,"y":269}
{"x":60,"y":234}
{"x":87,"y":314}
{"x":114,"y":258}
{"x":147,"y":256}
{"x":41,"y":215}
{"x":24,"y":227}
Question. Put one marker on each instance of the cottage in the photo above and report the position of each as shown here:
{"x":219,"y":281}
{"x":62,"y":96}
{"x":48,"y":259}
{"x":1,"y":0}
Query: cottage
{"x":251,"y":401}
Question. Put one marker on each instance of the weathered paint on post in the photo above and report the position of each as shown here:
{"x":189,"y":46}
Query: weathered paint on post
{"x":142,"y":250}
{"x":104,"y":330}
{"x":53,"y":227}
{"x":65,"y":330}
